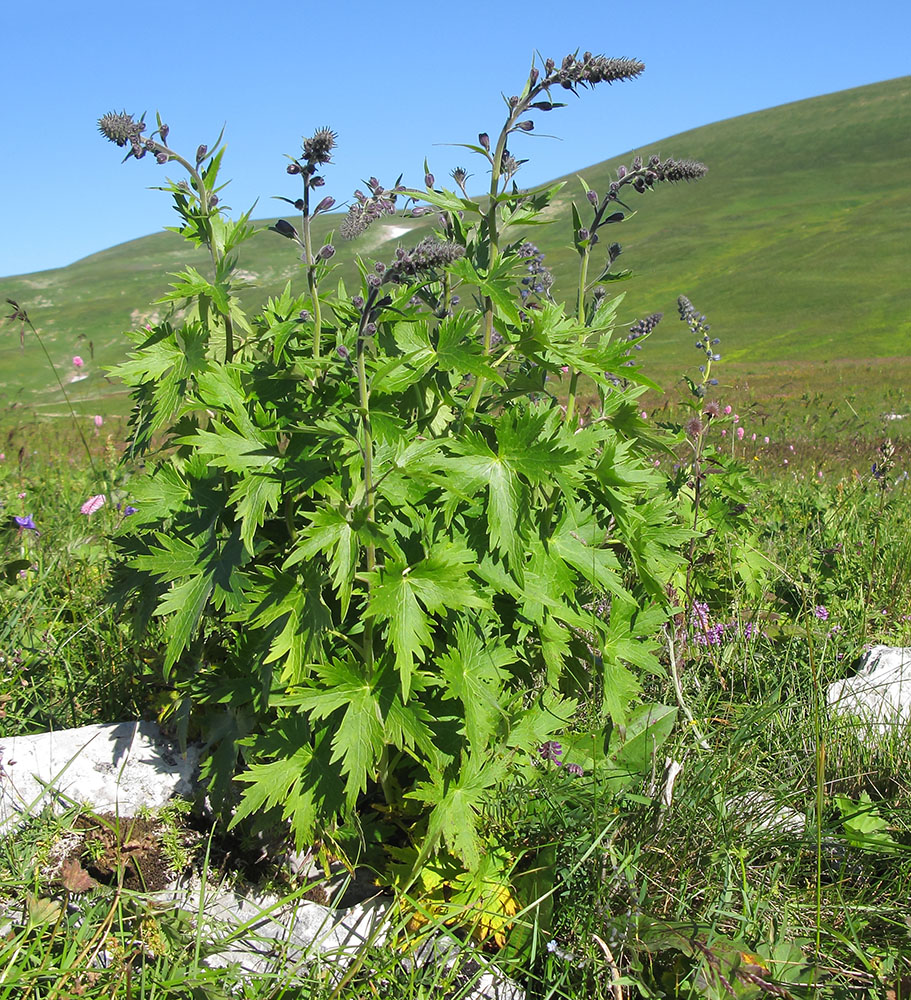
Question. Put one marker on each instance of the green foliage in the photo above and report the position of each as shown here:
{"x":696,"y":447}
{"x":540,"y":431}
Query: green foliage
{"x":386,"y":560}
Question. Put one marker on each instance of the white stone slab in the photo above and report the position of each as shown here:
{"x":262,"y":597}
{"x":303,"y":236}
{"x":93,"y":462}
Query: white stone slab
{"x":879,"y":694}
{"x":120,"y":768}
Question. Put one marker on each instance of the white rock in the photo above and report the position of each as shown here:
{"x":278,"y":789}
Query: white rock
{"x":119,"y":768}
{"x":878,"y":696}
{"x":759,"y":812}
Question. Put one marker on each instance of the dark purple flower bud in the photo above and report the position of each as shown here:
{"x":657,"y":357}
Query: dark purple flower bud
{"x":526,"y":126}
{"x":615,"y":217}
{"x":592,"y":197}
{"x":284,"y":228}
{"x":299,"y":204}
{"x":379,"y":267}
{"x":637,"y":163}
{"x":325,"y":252}
{"x":161,"y":157}
{"x":213,"y":200}
{"x":533,"y":75}
{"x":317,"y":182}
{"x":584,"y":234}
{"x":201,"y":153}
{"x":621,"y":171}
{"x":374,"y":281}
{"x":324,"y":205}
{"x":568,"y":62}
{"x":420,"y":210}
{"x":357,"y":301}
{"x":614,"y":251}
{"x":543,"y":106}
{"x":549,"y":65}
{"x":343,"y":352}
{"x":293,"y":168}
{"x":428,"y":180}
{"x":513,"y":101}
{"x":574,"y":769}
{"x":163,"y":132}
{"x":454,"y":300}
{"x":370,"y":329}
{"x":304,"y":316}
{"x":484,"y":141}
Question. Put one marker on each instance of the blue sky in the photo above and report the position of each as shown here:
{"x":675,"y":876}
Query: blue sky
{"x":396,"y":81}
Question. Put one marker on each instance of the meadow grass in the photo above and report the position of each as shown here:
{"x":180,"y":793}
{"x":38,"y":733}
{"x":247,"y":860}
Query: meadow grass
{"x":649,"y":899}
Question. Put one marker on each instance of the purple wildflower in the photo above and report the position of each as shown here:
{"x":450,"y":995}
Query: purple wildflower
{"x":551,"y":750}
{"x":26,"y":523}
{"x":821,"y":612}
{"x":129,"y":510}
{"x":575,"y":770}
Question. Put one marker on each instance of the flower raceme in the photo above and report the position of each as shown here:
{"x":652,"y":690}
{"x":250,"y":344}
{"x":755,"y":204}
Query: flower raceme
{"x":93,"y":504}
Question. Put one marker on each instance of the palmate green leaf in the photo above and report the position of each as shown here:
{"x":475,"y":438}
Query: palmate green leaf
{"x":185,"y":603}
{"x":476,"y":466}
{"x":532,"y":725}
{"x":457,"y":350}
{"x":289,"y":608}
{"x":300,"y":779}
{"x":456,"y":806}
{"x":229,"y":450}
{"x":158,"y":495}
{"x":359,"y":737}
{"x":331,"y":533}
{"x":473,"y":668}
{"x":254,"y":494}
{"x":190,"y":283}
{"x":439,"y":581}
{"x":579,"y":541}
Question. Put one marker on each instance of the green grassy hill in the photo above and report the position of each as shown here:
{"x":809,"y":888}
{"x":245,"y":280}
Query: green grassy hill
{"x":796,"y":246}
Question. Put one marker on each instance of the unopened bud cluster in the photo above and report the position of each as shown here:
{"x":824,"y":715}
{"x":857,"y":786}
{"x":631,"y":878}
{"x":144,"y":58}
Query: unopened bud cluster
{"x":121,"y":128}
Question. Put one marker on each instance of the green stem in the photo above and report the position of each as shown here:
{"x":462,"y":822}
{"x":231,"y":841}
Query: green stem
{"x":311,"y":270}
{"x":367,"y":448}
{"x":580,"y":315}
{"x":494,"y":244}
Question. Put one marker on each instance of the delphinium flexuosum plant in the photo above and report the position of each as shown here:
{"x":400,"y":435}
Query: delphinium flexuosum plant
{"x":388,"y":564}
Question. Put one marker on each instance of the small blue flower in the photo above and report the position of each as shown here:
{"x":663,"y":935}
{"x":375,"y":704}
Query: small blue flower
{"x":26,"y":523}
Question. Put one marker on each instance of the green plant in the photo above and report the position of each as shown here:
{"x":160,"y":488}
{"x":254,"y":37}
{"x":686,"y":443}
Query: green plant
{"x":388,"y":562}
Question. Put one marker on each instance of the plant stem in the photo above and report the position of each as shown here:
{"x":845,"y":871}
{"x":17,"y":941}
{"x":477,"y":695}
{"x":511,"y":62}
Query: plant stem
{"x":580,"y":316}
{"x":311,"y":270}
{"x":367,"y":448}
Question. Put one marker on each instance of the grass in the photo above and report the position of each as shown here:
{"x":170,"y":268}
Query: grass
{"x":796,"y":240}
{"x":650,"y":899}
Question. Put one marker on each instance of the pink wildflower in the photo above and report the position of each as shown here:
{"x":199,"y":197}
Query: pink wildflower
{"x":790,"y":447}
{"x":766,"y":439}
{"x":92,"y":504}
{"x":727,"y":410}
{"x":736,"y":417}
{"x":740,"y":433}
{"x":77,"y":361}
{"x":21,"y":496}
{"x":564,"y":369}
{"x":724,"y":432}
{"x":644,"y":415}
{"x":753,"y":437}
{"x":99,"y":420}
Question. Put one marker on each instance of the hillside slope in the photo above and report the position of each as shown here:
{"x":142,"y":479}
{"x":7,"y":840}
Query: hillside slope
{"x":796,"y":246}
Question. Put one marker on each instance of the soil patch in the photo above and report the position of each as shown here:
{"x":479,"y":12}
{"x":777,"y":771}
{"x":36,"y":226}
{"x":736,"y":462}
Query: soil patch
{"x":123,"y":850}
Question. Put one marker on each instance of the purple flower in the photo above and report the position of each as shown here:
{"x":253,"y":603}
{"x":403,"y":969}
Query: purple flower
{"x":575,"y":770}
{"x":26,"y":523}
{"x":129,"y":510}
{"x":551,"y":751}
{"x":821,"y":612}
